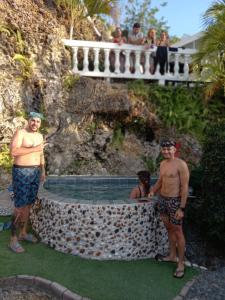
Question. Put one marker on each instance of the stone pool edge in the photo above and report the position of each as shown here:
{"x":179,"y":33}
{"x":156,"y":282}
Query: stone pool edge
{"x":50,"y":287}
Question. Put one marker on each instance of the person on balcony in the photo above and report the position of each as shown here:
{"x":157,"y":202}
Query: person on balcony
{"x":150,"y":43}
{"x":135,"y":37}
{"x":162,"y":52}
{"x":119,"y":39}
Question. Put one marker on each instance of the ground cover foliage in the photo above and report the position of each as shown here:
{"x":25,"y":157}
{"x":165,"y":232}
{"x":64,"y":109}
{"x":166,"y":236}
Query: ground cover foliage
{"x":97,"y":280}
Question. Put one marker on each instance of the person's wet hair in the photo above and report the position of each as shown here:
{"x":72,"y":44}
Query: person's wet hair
{"x":136,"y":25}
{"x":168,"y":143}
{"x":144,"y":176}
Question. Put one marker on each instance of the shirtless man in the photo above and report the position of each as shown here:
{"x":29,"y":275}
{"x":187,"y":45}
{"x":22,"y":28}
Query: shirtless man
{"x":27,"y":150}
{"x":172,"y":186}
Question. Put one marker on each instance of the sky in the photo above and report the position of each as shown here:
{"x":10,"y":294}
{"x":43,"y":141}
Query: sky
{"x":183,"y":16}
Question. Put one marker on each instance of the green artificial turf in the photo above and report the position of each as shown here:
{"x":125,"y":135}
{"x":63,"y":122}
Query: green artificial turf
{"x":97,"y":280}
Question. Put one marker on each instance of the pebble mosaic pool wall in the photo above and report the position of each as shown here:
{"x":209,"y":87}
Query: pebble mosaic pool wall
{"x":100,"y":231}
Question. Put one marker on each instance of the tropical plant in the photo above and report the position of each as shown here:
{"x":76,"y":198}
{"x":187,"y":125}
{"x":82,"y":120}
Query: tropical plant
{"x":5,"y":158}
{"x":70,"y":80}
{"x":144,"y":13}
{"x":5,"y":29}
{"x":26,"y":65}
{"x":91,"y":128}
{"x":150,"y":164}
{"x":118,"y":137}
{"x":180,"y":107}
{"x":85,"y":9}
{"x":20,"y":41}
{"x":209,"y":62}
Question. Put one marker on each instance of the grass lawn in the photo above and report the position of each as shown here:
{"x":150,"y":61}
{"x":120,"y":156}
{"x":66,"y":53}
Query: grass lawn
{"x":97,"y":280}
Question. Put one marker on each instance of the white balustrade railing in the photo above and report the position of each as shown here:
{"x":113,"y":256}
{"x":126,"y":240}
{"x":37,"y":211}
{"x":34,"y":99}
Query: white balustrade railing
{"x":110,"y":60}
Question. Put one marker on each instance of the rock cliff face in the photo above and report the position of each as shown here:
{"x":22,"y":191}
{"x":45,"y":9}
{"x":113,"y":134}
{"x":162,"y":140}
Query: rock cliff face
{"x":85,"y":124}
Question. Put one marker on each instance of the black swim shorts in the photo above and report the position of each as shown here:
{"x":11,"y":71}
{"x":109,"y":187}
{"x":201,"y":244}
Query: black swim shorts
{"x":168,"y":206}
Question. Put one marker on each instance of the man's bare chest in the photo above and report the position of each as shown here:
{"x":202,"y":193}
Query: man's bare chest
{"x":170,"y":171}
{"x":31,"y":140}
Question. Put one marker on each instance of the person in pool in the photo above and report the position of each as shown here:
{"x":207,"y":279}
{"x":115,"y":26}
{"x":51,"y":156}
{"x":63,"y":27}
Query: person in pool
{"x":26,"y":148}
{"x":143,"y":188}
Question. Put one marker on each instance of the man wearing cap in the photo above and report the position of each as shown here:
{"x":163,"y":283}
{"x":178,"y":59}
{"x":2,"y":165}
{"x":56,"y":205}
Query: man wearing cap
{"x":28,"y":169}
{"x":172,"y":187}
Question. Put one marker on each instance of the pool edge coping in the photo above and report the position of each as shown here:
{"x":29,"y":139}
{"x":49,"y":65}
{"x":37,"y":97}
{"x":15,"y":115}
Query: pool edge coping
{"x":48,"y":286}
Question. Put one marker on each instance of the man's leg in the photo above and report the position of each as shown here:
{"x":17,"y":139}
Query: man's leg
{"x":17,"y":224}
{"x":180,"y":246}
{"x":172,"y":239}
{"x":24,"y":223}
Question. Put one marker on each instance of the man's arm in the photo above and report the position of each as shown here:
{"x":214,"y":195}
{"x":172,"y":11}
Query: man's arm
{"x":16,"y":148}
{"x":136,"y":42}
{"x":184,"y":181}
{"x":157,"y":186}
{"x":42,"y":165}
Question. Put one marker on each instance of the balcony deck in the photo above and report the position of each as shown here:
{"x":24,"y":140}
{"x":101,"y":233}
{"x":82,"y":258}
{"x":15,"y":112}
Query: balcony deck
{"x":94,"y":59}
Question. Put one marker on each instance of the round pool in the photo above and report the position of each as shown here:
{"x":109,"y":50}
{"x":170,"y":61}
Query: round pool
{"x":95,"y":189}
{"x":93,"y":217}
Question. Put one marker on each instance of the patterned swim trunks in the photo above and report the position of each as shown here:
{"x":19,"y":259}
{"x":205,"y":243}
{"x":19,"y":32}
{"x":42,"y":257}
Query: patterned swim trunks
{"x":26,"y":182}
{"x":168,"y":206}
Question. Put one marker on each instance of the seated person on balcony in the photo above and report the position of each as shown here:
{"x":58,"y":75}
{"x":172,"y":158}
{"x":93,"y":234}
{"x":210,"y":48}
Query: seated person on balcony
{"x":143,"y":189}
{"x":150,"y":42}
{"x":162,"y":52}
{"x":119,"y":39}
{"x":135,"y":37}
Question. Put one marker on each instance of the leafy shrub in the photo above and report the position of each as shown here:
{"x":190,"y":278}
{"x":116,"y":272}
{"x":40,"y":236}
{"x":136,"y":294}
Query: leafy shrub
{"x":118,"y":137}
{"x":180,"y":107}
{"x":26,"y":66}
{"x":5,"y":158}
{"x":213,"y":183}
{"x":70,"y":80}
{"x":151,"y":164}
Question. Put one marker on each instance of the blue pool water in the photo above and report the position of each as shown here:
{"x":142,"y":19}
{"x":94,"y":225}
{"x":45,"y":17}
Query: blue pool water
{"x":93,"y":188}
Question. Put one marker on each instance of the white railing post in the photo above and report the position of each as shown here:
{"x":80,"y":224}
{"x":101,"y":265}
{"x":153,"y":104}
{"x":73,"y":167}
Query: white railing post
{"x":137,"y":62}
{"x":117,"y":61}
{"x":176,"y":65}
{"x":127,"y":61}
{"x":75,"y":61}
{"x":96,"y":61}
{"x":106,"y":51}
{"x":85,"y":64}
{"x":186,"y":66}
{"x":147,"y":61}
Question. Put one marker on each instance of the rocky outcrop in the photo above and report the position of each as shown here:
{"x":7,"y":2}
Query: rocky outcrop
{"x":92,"y":127}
